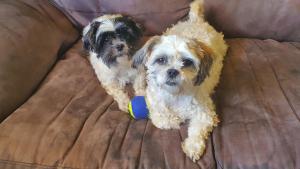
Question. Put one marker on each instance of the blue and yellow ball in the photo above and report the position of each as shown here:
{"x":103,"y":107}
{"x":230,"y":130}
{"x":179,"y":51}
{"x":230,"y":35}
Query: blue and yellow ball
{"x":138,"y":108}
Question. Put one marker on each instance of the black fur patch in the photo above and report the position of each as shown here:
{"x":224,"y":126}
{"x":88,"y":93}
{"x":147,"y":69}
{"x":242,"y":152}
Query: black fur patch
{"x":89,"y":40}
{"x":109,"y":59}
{"x":103,"y":48}
{"x":104,"y":39}
{"x":128,"y":30}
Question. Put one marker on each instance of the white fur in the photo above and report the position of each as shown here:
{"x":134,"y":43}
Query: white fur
{"x":107,"y":24}
{"x":171,"y":105}
{"x":115,"y":78}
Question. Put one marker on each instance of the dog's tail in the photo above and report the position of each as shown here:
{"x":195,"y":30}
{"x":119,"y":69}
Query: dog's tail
{"x":196,"y":10}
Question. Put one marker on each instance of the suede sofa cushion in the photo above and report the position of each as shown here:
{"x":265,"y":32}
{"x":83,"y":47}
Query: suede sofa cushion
{"x":155,"y":15}
{"x":274,"y":19}
{"x":71,"y":123}
{"x":33,"y":33}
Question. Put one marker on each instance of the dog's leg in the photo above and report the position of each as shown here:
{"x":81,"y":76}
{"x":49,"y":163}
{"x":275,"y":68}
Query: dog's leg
{"x":117,"y":91}
{"x":194,"y":145}
{"x":139,"y":84}
{"x":164,"y":118}
{"x":201,"y":124}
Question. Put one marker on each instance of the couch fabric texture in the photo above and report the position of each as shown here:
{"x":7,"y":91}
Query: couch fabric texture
{"x":32,"y":34}
{"x":70,"y":122}
{"x":274,"y":19}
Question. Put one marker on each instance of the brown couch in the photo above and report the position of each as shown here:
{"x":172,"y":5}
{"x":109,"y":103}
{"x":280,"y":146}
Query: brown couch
{"x":55,"y":114}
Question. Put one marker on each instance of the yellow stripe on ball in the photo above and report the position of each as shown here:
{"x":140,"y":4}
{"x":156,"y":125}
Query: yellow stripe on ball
{"x":130,"y":110}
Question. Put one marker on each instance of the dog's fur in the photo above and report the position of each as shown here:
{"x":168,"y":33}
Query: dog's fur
{"x":111,"y":41}
{"x":183,"y":68}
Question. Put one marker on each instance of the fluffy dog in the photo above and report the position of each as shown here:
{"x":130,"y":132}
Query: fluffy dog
{"x":110,"y":40}
{"x":183,"y":68}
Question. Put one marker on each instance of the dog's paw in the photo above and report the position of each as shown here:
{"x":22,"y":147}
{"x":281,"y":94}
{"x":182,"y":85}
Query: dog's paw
{"x":166,"y":125}
{"x":140,"y":92}
{"x":123,"y":105}
{"x":193,"y":148}
{"x":123,"y":108}
{"x":167,"y":122}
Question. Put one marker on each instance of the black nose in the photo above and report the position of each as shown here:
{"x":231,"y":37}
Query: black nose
{"x":172,"y":73}
{"x":120,"y":47}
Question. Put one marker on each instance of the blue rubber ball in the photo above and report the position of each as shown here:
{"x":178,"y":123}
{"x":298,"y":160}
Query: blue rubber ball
{"x":138,"y":108}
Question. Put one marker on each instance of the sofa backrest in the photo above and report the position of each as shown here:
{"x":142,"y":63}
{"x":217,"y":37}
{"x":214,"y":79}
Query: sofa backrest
{"x":154,"y":15}
{"x":264,"y":19}
{"x":275,"y":19}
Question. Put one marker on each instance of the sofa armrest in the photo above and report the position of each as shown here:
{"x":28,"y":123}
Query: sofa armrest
{"x":33,"y":33}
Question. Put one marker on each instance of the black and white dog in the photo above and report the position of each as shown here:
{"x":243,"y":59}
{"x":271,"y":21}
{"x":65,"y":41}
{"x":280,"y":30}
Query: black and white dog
{"x":111,"y":41}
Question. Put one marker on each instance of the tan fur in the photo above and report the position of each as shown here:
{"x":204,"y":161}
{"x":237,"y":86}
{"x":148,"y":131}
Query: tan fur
{"x":170,"y":106}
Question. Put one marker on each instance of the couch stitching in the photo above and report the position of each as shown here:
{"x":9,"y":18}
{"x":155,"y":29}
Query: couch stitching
{"x":107,"y":148}
{"x":214,"y":153}
{"x":138,"y":162}
{"x":9,"y":162}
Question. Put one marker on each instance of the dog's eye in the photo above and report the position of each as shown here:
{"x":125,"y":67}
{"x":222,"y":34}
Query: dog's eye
{"x":123,"y":29}
{"x":105,"y":39}
{"x":187,"y":62}
{"x":161,"y":61}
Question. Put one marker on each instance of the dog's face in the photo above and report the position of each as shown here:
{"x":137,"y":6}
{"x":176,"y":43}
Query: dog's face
{"x":111,"y":38}
{"x":174,"y":64}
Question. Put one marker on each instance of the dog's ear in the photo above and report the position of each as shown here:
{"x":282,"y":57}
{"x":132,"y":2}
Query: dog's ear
{"x":89,"y":36}
{"x":205,"y":56}
{"x":141,"y":55}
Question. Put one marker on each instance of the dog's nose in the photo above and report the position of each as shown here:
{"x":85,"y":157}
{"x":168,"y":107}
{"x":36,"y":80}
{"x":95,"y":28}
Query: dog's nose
{"x":172,"y":73}
{"x":120,"y":47}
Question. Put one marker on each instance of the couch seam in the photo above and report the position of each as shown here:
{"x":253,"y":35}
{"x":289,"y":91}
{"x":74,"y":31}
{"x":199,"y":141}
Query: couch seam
{"x":73,"y":21}
{"x":9,"y":162}
{"x":298,"y":48}
{"x":217,"y":163}
{"x":103,"y":160}
{"x":138,"y":161}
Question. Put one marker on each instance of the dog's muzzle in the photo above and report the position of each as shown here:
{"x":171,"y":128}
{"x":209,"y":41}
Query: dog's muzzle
{"x":172,"y":74}
{"x":120,"y":47}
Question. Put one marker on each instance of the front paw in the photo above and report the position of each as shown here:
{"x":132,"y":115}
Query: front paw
{"x":193,"y":148}
{"x":170,"y":122}
{"x":140,"y":92}
{"x":123,"y":105}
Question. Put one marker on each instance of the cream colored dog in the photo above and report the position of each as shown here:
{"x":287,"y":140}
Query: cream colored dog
{"x":183,"y":68}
